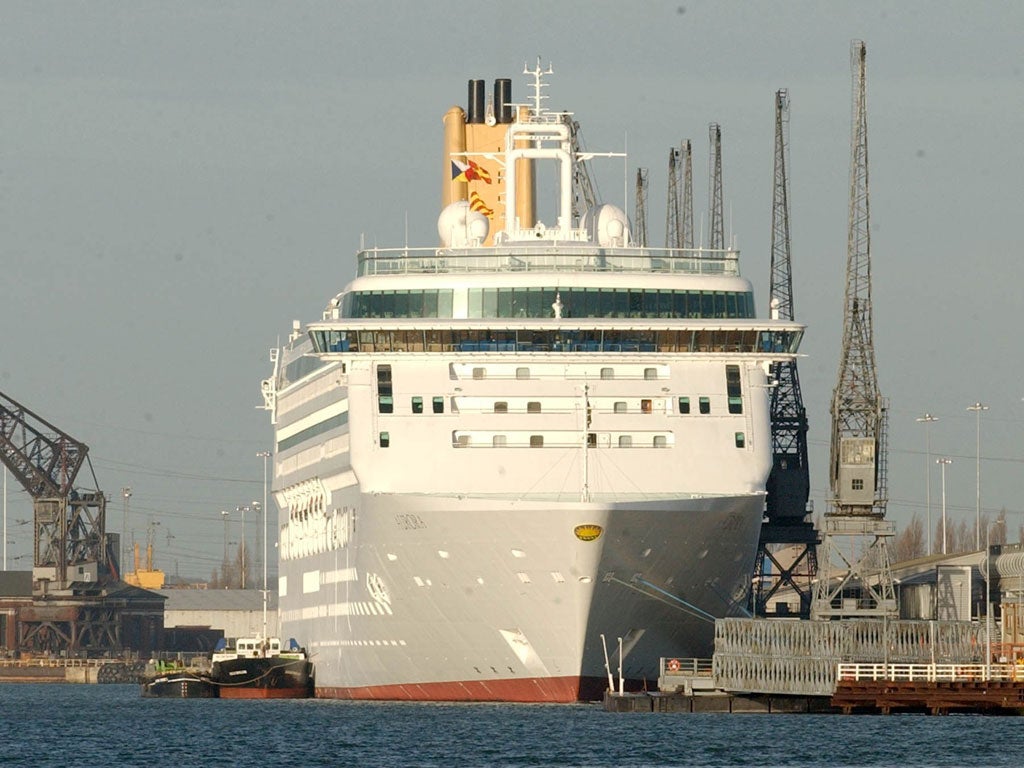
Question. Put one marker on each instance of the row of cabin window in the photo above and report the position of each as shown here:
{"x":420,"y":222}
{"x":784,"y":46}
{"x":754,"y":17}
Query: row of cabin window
{"x":523,"y":372}
{"x":560,"y":339}
{"x":386,"y":404}
{"x":537,"y":441}
{"x":537,"y":302}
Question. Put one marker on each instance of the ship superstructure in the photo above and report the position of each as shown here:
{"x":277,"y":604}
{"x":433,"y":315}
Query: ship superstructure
{"x":493,"y":456}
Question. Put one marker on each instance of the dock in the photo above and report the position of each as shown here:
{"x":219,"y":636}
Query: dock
{"x":64,"y":670}
{"x":936,"y":689}
{"x":850,"y":667}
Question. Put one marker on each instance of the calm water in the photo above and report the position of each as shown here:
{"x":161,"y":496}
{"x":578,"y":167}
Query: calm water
{"x":111,"y":725}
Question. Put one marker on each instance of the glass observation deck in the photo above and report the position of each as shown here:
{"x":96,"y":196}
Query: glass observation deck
{"x":547,"y":256}
{"x":361,"y":337}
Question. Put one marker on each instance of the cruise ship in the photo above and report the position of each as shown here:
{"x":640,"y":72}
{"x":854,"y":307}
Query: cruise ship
{"x":514,"y":462}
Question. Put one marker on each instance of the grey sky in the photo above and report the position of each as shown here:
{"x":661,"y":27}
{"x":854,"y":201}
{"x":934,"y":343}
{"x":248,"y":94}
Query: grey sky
{"x":178,"y":181}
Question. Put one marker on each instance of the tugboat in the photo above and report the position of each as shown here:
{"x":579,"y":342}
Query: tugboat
{"x":259,"y":668}
{"x":172,"y":680}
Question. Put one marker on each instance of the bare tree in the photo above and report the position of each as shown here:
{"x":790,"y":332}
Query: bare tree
{"x":910,"y":542}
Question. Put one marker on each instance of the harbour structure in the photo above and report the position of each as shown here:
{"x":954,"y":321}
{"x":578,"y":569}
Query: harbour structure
{"x":856,"y":535}
{"x":789,"y":484}
{"x":496,"y":458}
{"x":716,"y":210}
{"x":640,"y":207}
{"x":78,"y":603}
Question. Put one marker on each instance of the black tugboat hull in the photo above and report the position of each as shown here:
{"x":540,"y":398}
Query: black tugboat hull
{"x":264,"y":678}
{"x":179,"y":686}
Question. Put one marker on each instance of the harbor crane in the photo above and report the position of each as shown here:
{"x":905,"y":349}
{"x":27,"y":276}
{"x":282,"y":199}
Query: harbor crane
{"x":77,"y":604}
{"x":673,"y":228}
{"x":641,"y":207}
{"x":856,"y":581}
{"x":716,"y":227}
{"x":679,"y":210}
{"x":70,"y":542}
{"x":584,"y":196}
{"x":686,"y":214}
{"x":789,"y":483}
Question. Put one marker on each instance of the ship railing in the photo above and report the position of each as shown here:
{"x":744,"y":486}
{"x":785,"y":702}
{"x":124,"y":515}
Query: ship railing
{"x":548,"y":257}
{"x":931,"y":673}
{"x":690,"y":667}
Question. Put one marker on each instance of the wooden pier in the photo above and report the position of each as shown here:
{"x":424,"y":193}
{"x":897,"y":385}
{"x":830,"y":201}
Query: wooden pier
{"x":936,"y":689}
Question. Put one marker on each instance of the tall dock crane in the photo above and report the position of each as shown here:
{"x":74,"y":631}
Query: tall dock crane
{"x":686,"y":214}
{"x":673,"y":228}
{"x":69,"y":523}
{"x":789,"y":482}
{"x":679,"y":208}
{"x":584,"y":196}
{"x":857,"y":583}
{"x":641,"y":207}
{"x":716,"y":229}
{"x":78,"y":604}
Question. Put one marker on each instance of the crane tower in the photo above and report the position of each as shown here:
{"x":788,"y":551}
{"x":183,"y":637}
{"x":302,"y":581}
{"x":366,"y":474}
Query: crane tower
{"x":584,"y":196}
{"x":856,"y":580}
{"x":78,"y":603}
{"x":717,"y":219}
{"x":673,"y":230}
{"x":786,"y":505}
{"x":641,"y":207}
{"x":686,"y":215}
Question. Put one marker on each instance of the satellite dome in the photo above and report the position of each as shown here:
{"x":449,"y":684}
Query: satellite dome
{"x":458,"y":226}
{"x":607,"y":225}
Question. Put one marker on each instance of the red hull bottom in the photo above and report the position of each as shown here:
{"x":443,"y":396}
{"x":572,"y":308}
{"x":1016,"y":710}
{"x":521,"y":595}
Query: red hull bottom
{"x":242,"y":692}
{"x":531,"y":690}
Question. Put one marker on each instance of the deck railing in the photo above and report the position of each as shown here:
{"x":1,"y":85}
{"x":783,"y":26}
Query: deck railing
{"x":931,"y":673}
{"x":548,"y":257}
{"x":671,"y":665}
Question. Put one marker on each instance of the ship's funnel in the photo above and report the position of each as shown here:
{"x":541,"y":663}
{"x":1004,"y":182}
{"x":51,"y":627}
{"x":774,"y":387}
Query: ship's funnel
{"x":503,"y":100}
{"x":477,"y":105}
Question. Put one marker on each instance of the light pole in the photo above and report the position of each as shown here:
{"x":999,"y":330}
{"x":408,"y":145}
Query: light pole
{"x":927,"y":420}
{"x":242,"y":511}
{"x":126,"y":492}
{"x":944,"y":462}
{"x":264,"y":455}
{"x":978,"y":408}
{"x":224,"y":565}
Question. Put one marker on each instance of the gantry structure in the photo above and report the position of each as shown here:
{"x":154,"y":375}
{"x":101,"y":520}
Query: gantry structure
{"x":787,"y":559}
{"x":856,"y":575}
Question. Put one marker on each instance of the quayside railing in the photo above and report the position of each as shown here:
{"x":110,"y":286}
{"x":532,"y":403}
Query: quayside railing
{"x":929,"y":673}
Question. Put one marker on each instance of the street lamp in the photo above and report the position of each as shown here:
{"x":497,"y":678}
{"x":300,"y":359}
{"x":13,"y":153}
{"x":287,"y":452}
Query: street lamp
{"x":242,"y":511}
{"x":978,"y":408}
{"x":264,"y":455}
{"x":944,"y":462}
{"x":224,"y":565}
{"x":126,"y":492}
{"x":927,"y":420}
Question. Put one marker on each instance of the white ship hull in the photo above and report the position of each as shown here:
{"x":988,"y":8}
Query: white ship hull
{"x":441,"y":598}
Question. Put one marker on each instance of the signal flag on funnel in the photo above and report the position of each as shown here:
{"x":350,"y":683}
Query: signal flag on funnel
{"x":477,"y":204}
{"x":469,"y":171}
